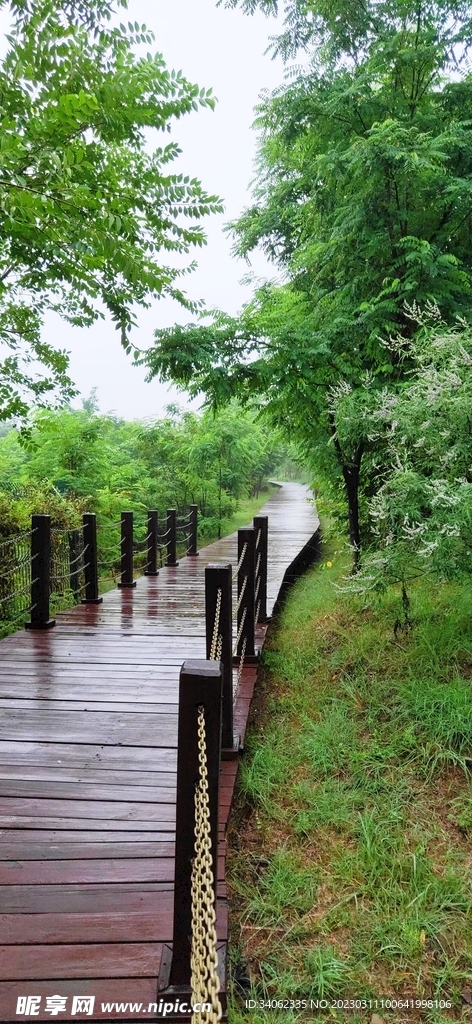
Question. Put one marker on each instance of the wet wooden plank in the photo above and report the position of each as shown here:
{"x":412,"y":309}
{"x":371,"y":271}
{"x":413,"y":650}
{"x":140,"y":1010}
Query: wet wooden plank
{"x":59,"y":850}
{"x":19,"y":821}
{"x":91,"y":960}
{"x":81,"y":791}
{"x":111,"y":728}
{"x":140,"y":991}
{"x":85,"y":754}
{"x":101,"y":776}
{"x":125,"y":926}
{"x":88,"y":727}
{"x":71,"y":899}
{"x":84,"y":872}
{"x":122,"y":832}
{"x":129,"y":897}
{"x":102,"y":809}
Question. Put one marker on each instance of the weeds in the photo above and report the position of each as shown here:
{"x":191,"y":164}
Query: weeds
{"x":352,"y":875}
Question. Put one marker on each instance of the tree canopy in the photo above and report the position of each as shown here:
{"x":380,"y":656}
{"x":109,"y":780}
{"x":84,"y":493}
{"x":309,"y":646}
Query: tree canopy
{"x":363,"y":203}
{"x":91,"y":219}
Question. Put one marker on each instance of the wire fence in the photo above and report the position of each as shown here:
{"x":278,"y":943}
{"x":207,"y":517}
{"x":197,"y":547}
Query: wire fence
{"x":68,"y":564}
{"x":15,"y":580}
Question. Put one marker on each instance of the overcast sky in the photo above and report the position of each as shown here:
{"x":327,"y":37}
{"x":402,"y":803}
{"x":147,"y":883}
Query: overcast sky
{"x":217,"y":48}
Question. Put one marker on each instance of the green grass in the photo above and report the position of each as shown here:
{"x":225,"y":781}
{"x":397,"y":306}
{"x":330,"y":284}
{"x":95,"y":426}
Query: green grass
{"x":247,"y":509}
{"x":350,"y":868}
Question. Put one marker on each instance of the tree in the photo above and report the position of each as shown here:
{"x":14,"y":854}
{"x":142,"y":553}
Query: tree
{"x":422,"y":510}
{"x":363,"y":201}
{"x":87,"y":211}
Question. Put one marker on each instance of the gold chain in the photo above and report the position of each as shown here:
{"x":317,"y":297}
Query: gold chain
{"x":216,"y":626}
{"x":204,"y":957}
{"x":241,"y":560}
{"x":241,"y":660}
{"x":241,"y":595}
{"x":240,"y":630}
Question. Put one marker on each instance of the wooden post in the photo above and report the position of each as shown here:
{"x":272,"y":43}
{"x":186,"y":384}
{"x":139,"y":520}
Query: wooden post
{"x":40,"y":573}
{"x":261,"y":527}
{"x":89,"y":521}
{"x":246,"y":608}
{"x":219,"y":578}
{"x":152,"y":531}
{"x":127,"y":551}
{"x":171,"y":538}
{"x":74,"y":562}
{"x":193,"y":541}
{"x":200,"y":684}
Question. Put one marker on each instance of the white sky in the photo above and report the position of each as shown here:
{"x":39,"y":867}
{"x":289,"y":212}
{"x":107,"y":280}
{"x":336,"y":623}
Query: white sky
{"x":217,"y":48}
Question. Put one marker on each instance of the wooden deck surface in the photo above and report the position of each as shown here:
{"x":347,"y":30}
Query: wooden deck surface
{"x":88,"y":729}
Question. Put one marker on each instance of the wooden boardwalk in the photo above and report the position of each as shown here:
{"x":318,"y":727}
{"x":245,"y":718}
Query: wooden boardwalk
{"x":88,"y":731}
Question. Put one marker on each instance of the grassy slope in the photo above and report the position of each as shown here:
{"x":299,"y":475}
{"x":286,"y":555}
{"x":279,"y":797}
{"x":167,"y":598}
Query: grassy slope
{"x":247,"y":509}
{"x":351,"y":864}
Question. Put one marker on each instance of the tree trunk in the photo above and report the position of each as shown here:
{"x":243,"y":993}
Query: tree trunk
{"x":351,"y":473}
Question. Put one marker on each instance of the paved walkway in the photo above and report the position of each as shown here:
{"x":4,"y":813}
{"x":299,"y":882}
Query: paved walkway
{"x":88,"y":731}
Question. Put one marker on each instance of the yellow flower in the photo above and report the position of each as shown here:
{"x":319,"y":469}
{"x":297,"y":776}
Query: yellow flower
{"x":329,"y":565}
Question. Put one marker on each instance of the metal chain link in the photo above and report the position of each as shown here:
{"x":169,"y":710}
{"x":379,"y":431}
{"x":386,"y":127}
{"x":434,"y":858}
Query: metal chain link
{"x":240,"y":630}
{"x":204,"y":956}
{"x":240,"y":598}
{"x":241,"y":662}
{"x":216,"y":626}
{"x":241,"y":560}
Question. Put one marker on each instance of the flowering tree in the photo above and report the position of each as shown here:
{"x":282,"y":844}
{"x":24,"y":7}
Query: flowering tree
{"x":421,"y":513}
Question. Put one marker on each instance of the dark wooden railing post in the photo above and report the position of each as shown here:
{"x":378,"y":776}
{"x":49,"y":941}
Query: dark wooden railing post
{"x":74,"y":562}
{"x":152,"y":531}
{"x":261,"y":527}
{"x":171,"y":537}
{"x":193,"y":540}
{"x":127,"y":550}
{"x":40,"y":573}
{"x":246,"y":582}
{"x":89,"y":521}
{"x":218,"y":605}
{"x":200,"y":685}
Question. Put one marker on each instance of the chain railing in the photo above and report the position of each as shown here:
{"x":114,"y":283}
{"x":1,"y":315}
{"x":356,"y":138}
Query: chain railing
{"x":192,"y":965}
{"x":261,"y":526}
{"x":218,"y":617}
{"x":51,"y":567}
{"x":143,"y":548}
{"x":49,"y":563}
{"x":68,"y":566}
{"x":204,"y":981}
